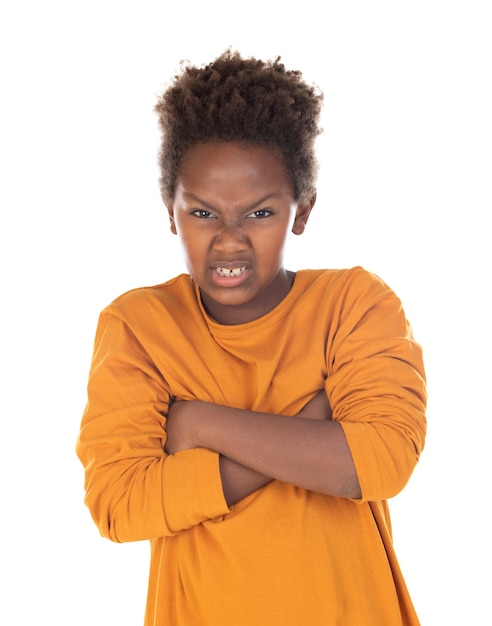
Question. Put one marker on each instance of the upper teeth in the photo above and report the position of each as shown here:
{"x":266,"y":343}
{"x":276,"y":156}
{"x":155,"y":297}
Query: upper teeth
{"x":237,"y":271}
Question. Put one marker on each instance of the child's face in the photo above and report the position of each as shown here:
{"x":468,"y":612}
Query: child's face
{"x":233,"y":210}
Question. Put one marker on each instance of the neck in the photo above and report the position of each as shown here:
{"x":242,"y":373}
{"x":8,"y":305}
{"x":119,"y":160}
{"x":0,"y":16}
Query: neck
{"x":254,"y":309}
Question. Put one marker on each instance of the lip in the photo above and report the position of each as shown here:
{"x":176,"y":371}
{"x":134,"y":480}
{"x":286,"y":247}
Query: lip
{"x":229,"y":281}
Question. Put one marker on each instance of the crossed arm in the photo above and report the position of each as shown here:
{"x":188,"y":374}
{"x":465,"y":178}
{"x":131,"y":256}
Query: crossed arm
{"x":308,"y":450}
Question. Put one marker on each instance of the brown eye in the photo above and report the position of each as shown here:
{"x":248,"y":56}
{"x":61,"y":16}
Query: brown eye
{"x":202,"y":214}
{"x":260,"y":214}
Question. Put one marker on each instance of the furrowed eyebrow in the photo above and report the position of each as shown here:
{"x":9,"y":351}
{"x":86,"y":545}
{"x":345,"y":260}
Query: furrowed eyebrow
{"x":191,"y":196}
{"x":250,"y":207}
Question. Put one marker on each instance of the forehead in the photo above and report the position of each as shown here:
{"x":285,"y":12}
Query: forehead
{"x":233,"y":166}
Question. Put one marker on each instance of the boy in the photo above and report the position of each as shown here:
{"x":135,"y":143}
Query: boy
{"x":248,"y":420}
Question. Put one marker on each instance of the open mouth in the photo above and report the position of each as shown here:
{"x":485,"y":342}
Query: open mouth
{"x":225,"y":272}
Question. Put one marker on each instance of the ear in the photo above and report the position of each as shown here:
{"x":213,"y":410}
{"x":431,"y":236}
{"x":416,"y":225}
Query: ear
{"x":172,"y":222}
{"x":302,"y":214}
{"x":170,"y":209}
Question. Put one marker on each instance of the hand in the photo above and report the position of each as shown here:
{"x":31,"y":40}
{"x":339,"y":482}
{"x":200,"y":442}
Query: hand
{"x":318,"y":408}
{"x":178,"y":427}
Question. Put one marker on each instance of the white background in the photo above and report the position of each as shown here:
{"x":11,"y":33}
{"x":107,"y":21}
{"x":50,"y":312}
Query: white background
{"x":404,"y":190}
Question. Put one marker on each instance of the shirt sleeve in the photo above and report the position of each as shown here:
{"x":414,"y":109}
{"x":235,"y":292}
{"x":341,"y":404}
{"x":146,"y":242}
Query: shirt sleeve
{"x":377,"y":386}
{"x":134,"y":490}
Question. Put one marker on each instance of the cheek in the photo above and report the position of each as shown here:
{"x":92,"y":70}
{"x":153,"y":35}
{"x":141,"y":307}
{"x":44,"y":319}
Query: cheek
{"x":193,"y":249}
{"x":270,"y":258}
{"x":273,"y":243}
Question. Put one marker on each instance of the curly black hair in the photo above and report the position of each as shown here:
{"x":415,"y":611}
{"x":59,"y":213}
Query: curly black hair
{"x":244,"y":100}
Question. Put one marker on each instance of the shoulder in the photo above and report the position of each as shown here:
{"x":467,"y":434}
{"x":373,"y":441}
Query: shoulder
{"x":173,"y":296}
{"x":174,"y":288}
{"x":349,"y":280}
{"x":348,"y":295}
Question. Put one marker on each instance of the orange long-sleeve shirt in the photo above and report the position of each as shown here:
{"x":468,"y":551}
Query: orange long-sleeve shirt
{"x":283,"y":555}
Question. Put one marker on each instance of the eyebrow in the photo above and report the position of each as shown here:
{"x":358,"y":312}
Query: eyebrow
{"x":250,"y":207}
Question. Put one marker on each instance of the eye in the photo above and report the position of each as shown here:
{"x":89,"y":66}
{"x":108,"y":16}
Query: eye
{"x":202,"y":214}
{"x":260,"y":214}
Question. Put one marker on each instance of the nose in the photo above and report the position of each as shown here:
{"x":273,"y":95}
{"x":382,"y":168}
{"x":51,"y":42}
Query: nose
{"x":230,"y":240}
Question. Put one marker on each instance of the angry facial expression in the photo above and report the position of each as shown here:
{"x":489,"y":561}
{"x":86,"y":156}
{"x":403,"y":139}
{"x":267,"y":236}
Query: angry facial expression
{"x":233,"y":210}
